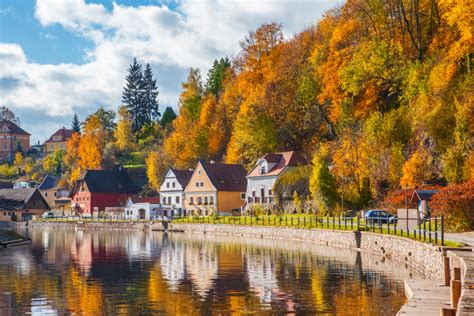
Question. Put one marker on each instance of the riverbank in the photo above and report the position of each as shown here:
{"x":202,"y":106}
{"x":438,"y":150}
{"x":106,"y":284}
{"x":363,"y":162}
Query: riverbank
{"x":10,"y":238}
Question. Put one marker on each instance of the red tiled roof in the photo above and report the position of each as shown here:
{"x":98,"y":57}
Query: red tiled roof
{"x":141,"y":199}
{"x":281,"y":161}
{"x":12,"y":127}
{"x":64,"y":133}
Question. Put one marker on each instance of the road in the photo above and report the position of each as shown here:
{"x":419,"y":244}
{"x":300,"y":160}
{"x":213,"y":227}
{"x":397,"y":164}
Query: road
{"x":467,"y":238}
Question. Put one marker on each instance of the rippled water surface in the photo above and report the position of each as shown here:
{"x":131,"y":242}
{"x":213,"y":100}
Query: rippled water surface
{"x":140,"y":273}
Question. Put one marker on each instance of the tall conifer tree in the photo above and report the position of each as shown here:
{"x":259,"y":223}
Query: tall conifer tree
{"x":133,"y":96}
{"x":150,"y":109}
{"x":76,"y":124}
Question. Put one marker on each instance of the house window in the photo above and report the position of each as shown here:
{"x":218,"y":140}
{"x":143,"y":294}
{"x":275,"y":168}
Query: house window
{"x":250,"y":199}
{"x":173,"y":184}
{"x":197,"y":184}
{"x":242,"y":196}
{"x":211,"y":200}
{"x":270,"y":192}
{"x":199,"y":200}
{"x":191,"y":200}
{"x":253,"y":193}
{"x":199,"y":172}
{"x":45,"y":194}
{"x":202,"y":184}
{"x":177,"y":200}
{"x":262,"y":169}
{"x":205,"y":200}
{"x":167,"y":185}
{"x":55,"y":193}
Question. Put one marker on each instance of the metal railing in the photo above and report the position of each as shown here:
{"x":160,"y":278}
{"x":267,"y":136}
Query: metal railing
{"x":429,"y":230}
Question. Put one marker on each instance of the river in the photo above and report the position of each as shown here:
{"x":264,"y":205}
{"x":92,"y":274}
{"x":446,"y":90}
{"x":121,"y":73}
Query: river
{"x":96,"y":272}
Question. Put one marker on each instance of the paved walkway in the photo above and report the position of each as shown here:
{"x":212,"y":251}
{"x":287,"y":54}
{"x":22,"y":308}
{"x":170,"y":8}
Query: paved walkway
{"x":425,"y":297}
{"x":467,"y":238}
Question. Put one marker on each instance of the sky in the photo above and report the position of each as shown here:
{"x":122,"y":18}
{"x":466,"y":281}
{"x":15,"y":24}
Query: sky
{"x":58,"y":57}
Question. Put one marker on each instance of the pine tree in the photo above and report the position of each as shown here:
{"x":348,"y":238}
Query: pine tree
{"x":215,"y":76}
{"x":133,"y":95}
{"x":168,"y":116}
{"x":150,"y":108}
{"x":76,"y":124}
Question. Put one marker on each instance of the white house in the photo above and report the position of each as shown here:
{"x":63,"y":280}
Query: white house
{"x":262,"y":177}
{"x":138,"y":207}
{"x":172,"y":191}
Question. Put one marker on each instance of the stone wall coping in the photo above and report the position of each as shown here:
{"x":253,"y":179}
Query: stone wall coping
{"x":465,"y":261}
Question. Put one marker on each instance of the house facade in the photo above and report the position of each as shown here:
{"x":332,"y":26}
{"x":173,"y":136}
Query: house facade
{"x":12,"y":139}
{"x":144,"y":208}
{"x":54,"y":195}
{"x":21,"y":204}
{"x":58,"y":140}
{"x":215,"y":188}
{"x":97,"y":190}
{"x":172,"y":191}
{"x":261,"y":179}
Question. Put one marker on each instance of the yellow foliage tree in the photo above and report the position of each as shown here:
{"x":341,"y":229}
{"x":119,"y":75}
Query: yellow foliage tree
{"x":18,"y":162}
{"x":123,"y":133}
{"x":156,"y":166}
{"x":91,"y":145}
{"x":416,"y":170}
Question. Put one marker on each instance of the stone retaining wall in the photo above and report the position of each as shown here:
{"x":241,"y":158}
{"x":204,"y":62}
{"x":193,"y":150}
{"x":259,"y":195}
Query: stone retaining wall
{"x":424,"y":258}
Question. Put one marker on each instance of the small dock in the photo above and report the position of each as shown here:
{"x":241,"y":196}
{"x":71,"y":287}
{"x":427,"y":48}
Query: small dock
{"x":425,"y":297}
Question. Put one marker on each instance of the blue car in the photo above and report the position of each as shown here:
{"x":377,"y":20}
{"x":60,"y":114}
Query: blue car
{"x":379,"y":217}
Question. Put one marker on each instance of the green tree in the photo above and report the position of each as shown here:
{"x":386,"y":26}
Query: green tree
{"x":150,"y":112}
{"x":168,"y":116}
{"x":215,"y":76}
{"x":134,"y":94}
{"x":76,"y":124}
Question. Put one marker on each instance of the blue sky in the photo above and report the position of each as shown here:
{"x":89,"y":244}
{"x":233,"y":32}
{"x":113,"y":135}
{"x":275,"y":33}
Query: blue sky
{"x":58,"y":57}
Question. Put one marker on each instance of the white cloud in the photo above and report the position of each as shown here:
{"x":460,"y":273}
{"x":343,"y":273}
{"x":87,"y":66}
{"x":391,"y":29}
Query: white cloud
{"x":193,"y":35}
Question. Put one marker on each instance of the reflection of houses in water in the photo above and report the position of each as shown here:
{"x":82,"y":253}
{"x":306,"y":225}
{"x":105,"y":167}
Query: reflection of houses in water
{"x":262,"y":276}
{"x":81,"y":250}
{"x":201,"y":266}
{"x":138,"y":246}
{"x":172,"y":264}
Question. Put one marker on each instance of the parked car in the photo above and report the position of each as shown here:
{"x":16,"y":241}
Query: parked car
{"x":48,"y":215}
{"x":379,"y":217}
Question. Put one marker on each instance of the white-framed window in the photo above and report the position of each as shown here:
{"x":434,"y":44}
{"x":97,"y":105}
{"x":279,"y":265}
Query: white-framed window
{"x":242,"y":196}
{"x":173,"y":184}
{"x":177,"y":200}
{"x":167,"y":185}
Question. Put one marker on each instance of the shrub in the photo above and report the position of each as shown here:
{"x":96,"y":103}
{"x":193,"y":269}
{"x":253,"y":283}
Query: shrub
{"x":456,"y":202}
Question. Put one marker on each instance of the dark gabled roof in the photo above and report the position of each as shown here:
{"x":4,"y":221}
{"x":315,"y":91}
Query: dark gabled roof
{"x":281,"y":161}
{"x":49,"y":182}
{"x":15,"y":199}
{"x":423,"y":195}
{"x":107,"y":181}
{"x":183,"y":176}
{"x":63,"y":132}
{"x":226,"y":177}
{"x":12,"y":127}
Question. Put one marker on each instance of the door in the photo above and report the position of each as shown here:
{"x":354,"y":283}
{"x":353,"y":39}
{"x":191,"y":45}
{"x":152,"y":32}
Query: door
{"x":141,"y":213}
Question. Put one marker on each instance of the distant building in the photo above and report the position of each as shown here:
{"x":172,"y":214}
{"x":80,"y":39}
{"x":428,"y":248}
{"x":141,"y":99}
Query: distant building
{"x":97,"y":190}
{"x":216,"y":187}
{"x":268,"y":169}
{"x":172,"y":191}
{"x":21,"y":204}
{"x":12,"y":139}
{"x":58,"y":140}
{"x":52,"y":194}
{"x":421,"y":198}
{"x":138,"y":207}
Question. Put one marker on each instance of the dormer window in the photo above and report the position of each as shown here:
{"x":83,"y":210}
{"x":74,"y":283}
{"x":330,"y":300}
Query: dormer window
{"x":262,"y":169}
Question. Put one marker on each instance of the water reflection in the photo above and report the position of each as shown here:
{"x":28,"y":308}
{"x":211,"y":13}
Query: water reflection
{"x":112,"y":272}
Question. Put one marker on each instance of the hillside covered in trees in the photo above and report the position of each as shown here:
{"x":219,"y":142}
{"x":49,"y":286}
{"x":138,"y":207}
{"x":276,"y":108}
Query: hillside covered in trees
{"x":378,"y":93}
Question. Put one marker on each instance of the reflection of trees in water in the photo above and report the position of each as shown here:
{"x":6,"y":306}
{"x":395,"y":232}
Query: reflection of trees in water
{"x":95,"y":272}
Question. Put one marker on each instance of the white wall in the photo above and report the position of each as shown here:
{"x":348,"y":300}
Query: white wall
{"x":133,"y":211}
{"x":257,"y":184}
{"x":171,"y":188}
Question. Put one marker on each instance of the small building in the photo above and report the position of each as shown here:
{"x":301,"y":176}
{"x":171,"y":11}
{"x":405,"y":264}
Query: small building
{"x":138,"y":207}
{"x":58,"y":140}
{"x":52,"y":193}
{"x":216,"y":188}
{"x":21,"y":204}
{"x":12,"y":139}
{"x":421,"y":199}
{"x":97,"y":189}
{"x":261,"y":179}
{"x":172,"y":191}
